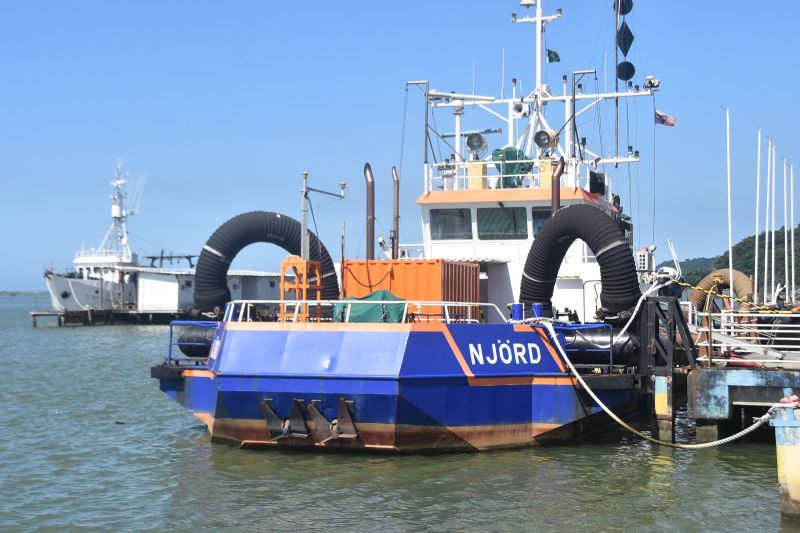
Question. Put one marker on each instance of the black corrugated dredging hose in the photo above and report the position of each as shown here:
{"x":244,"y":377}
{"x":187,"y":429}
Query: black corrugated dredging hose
{"x":211,"y":287}
{"x":620,"y":285}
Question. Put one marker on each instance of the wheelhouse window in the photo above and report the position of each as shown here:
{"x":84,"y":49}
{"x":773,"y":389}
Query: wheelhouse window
{"x":540,"y":216}
{"x":502,"y":223}
{"x":451,"y":224}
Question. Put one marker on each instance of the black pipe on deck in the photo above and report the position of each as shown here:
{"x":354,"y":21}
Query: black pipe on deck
{"x":620,"y":285}
{"x":211,"y":277}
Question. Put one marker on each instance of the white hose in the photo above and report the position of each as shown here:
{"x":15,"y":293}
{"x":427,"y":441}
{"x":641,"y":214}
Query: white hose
{"x":74,"y":296}
{"x":756,"y":424}
{"x":642,"y":298}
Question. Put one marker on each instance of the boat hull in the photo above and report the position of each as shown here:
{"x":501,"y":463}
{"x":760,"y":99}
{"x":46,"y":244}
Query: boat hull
{"x":78,"y":294}
{"x":404,"y":387}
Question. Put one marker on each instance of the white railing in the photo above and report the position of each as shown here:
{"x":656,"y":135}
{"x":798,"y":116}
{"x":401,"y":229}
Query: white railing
{"x":774,"y":336}
{"x":453,"y":176}
{"x":689,"y":311}
{"x":413,"y":311}
{"x":414,"y":251}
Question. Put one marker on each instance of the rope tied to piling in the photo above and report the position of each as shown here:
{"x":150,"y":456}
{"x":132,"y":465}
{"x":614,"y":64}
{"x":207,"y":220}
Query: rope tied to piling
{"x":792,"y":402}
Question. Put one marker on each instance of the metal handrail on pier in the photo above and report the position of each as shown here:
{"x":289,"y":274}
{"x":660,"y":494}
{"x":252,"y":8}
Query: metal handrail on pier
{"x":774,"y":337}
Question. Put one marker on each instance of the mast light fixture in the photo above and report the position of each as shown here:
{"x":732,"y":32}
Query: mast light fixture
{"x":545,"y":139}
{"x":477,"y":144}
{"x":651,"y":83}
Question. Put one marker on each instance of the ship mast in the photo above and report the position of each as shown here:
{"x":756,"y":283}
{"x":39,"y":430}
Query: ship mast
{"x":539,"y":27}
{"x":115,"y":243}
{"x":523,"y":116}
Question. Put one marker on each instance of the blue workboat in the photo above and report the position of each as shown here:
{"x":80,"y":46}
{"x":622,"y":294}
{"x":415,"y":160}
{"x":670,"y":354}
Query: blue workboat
{"x":403,"y":386}
{"x":442,"y":363}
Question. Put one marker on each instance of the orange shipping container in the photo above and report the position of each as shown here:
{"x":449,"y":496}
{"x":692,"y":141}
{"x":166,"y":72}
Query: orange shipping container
{"x":431,"y":280}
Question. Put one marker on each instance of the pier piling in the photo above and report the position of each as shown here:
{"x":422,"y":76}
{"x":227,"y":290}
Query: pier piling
{"x":787,"y":443}
{"x":665,"y":414}
{"x":91,"y":317}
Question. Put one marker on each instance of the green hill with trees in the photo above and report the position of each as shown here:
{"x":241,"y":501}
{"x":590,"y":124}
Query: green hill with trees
{"x":743,"y":258}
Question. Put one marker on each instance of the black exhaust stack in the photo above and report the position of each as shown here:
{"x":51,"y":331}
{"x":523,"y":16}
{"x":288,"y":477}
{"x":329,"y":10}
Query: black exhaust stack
{"x":395,"y":235}
{"x":555,"y":187}
{"x":370,"y":212}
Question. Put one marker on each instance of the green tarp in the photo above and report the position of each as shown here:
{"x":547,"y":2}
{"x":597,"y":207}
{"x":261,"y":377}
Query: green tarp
{"x":380,"y":311}
{"x":512,"y":172}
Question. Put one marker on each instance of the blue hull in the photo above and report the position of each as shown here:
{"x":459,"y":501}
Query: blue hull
{"x":402,"y":387}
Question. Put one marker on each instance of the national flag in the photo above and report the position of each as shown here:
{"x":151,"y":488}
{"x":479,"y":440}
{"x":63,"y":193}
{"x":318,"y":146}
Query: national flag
{"x":664,"y":119}
{"x":552,"y":56}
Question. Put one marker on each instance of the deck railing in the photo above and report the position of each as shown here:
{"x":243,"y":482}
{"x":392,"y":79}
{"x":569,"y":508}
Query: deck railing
{"x":412,"y":311}
{"x":452,"y":176}
{"x":772,"y":338}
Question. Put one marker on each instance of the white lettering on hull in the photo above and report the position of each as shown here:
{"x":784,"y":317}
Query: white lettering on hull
{"x":506,"y":353}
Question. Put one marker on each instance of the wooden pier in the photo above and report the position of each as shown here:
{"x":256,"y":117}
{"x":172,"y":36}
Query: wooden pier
{"x":93,"y":317}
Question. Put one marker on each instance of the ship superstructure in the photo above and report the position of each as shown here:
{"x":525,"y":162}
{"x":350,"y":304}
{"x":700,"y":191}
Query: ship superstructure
{"x":487,"y":205}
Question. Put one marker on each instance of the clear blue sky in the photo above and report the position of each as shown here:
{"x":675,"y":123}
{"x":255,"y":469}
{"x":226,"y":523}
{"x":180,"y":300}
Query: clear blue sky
{"x":222,"y":104}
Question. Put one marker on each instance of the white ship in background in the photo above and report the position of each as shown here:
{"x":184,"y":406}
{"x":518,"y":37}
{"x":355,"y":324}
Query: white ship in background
{"x":109,"y":278}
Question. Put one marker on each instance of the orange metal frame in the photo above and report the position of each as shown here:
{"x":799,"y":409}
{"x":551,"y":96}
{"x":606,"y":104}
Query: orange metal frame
{"x":307,"y":277}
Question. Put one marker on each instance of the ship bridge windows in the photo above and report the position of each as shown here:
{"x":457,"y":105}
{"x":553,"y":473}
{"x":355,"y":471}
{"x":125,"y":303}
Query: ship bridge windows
{"x":539,"y":215}
{"x":451,"y":224}
{"x":502,"y":223}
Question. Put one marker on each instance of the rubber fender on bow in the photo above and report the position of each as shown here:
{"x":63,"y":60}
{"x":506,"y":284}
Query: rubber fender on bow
{"x":742,"y":286}
{"x":211,"y":287}
{"x":620,"y":285}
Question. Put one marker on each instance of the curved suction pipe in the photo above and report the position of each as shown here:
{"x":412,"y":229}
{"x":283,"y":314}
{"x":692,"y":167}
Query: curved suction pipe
{"x":742,"y":286}
{"x":211,"y":284}
{"x":620,"y":285}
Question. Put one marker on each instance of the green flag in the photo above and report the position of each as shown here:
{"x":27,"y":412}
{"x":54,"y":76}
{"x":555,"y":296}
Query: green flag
{"x":552,"y":56}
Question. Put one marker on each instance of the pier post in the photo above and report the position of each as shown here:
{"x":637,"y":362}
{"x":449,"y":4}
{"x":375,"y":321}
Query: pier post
{"x":707,"y":430}
{"x":665,"y":414}
{"x":787,"y":443}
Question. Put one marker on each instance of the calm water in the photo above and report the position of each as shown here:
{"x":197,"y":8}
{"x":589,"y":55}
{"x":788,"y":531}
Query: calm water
{"x":88,"y":442}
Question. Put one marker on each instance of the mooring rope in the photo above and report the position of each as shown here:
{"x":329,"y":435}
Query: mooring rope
{"x":743,"y":301}
{"x":75,"y":297}
{"x":758,"y":422}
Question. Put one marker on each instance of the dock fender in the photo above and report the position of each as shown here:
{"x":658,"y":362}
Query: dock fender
{"x":211,"y":286}
{"x":620,"y":284}
{"x":165,"y":371}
